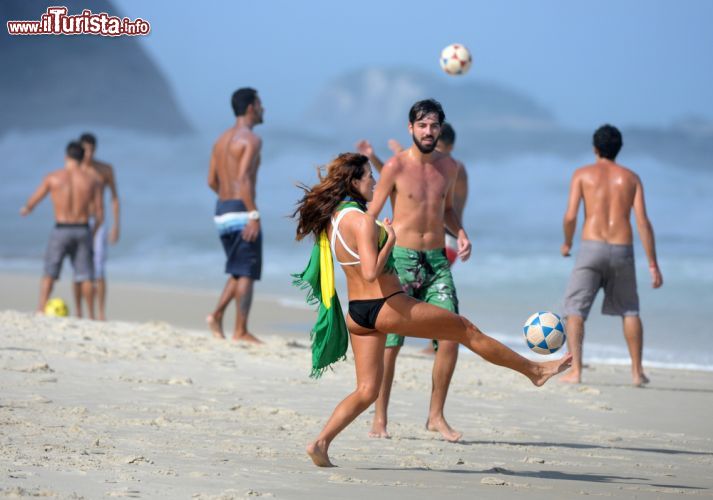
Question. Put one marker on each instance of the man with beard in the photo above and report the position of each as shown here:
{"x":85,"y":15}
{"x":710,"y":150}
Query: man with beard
{"x":421,"y":182}
{"x":446,"y":144}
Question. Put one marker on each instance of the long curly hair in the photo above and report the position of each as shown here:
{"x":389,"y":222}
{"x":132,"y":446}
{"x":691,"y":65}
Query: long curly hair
{"x":314,"y":210}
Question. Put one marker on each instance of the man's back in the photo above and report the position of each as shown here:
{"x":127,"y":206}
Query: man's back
{"x":608,"y":190}
{"x":236,"y":155}
{"x":72,"y":192}
{"x":605,"y":259}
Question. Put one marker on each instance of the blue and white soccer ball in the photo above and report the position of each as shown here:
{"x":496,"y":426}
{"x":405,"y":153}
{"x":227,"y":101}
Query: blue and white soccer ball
{"x":544,"y":332}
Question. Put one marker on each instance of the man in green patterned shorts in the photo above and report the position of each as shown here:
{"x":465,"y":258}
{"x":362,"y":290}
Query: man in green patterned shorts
{"x":421,"y":183}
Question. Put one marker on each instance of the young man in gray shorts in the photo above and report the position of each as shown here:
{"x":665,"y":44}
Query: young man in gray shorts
{"x":72,"y":191}
{"x":606,"y":255}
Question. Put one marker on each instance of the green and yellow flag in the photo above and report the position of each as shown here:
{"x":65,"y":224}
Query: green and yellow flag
{"x":329,"y":336}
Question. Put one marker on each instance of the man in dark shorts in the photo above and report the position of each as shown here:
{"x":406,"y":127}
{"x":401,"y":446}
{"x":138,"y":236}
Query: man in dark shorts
{"x":73,"y":192}
{"x":421,"y":182}
{"x":606,"y":255}
{"x":234,"y":163}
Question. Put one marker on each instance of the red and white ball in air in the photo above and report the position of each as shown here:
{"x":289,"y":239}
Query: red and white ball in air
{"x":456,"y":59}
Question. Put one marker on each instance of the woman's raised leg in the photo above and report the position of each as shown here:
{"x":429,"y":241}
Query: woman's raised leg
{"x":410,"y":317}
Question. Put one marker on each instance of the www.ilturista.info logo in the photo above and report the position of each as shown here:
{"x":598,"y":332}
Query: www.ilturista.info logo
{"x":56,"y":21}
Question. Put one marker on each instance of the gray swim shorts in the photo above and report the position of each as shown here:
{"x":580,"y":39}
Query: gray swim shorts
{"x":74,"y":240}
{"x":602,"y":265}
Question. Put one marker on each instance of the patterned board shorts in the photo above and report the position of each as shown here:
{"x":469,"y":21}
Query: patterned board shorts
{"x":424,"y":275}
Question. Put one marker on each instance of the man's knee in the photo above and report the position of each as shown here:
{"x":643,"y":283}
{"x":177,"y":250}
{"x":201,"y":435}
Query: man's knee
{"x":447,"y":348}
{"x":574,"y":321}
{"x":631,"y":321}
{"x":243,"y":284}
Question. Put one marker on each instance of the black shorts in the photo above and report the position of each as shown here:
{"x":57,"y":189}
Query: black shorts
{"x":243,"y":258}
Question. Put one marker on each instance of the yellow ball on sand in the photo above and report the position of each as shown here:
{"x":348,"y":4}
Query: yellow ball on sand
{"x":56,"y":307}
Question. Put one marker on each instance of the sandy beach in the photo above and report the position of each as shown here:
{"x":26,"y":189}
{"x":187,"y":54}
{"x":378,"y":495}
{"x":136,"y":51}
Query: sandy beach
{"x":150,"y":406}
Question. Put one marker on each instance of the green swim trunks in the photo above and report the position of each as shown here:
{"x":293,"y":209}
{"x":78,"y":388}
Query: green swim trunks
{"x":424,"y":275}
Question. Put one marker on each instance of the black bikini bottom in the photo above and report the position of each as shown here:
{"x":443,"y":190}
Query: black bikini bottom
{"x":364,"y":312}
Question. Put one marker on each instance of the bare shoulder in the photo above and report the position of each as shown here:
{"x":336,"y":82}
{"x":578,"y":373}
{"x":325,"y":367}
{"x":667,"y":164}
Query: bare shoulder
{"x":585,"y":169}
{"x":351,"y":218}
{"x":105,"y":170}
{"x":395,"y":164}
{"x":358,"y":221}
{"x":245,"y":139}
{"x":256,"y":140}
{"x":585,"y":172}
{"x":56,"y":175}
{"x":247,"y":136}
{"x":103,"y":166}
{"x":627,"y":172}
{"x":447,"y":162}
{"x":461,"y":168}
{"x":222,"y":138}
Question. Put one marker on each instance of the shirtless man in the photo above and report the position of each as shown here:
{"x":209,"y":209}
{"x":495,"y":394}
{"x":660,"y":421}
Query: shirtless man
{"x":105,"y":175}
{"x":422,"y":181}
{"x":606,"y":255}
{"x":232,"y":175}
{"x":446,"y":143}
{"x":73,"y":192}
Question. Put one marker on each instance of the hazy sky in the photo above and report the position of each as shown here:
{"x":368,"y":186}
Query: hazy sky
{"x":628,"y":62}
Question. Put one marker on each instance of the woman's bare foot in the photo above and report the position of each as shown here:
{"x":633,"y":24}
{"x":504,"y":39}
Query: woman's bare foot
{"x":247,"y":337}
{"x":317,"y":451}
{"x":544,"y":371}
{"x":440,"y":425}
{"x":215,"y":324}
{"x":379,"y":431}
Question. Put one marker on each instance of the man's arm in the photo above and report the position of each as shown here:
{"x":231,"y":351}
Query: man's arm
{"x":365,"y":148}
{"x":394,"y":146}
{"x":384,"y":188}
{"x":453,"y":223}
{"x":213,"y":181}
{"x":115,"y":206}
{"x":646,"y":233}
{"x":460,"y":194}
{"x":36,"y":197}
{"x":569,"y":224}
{"x":250,"y":149}
{"x":98,"y":201}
